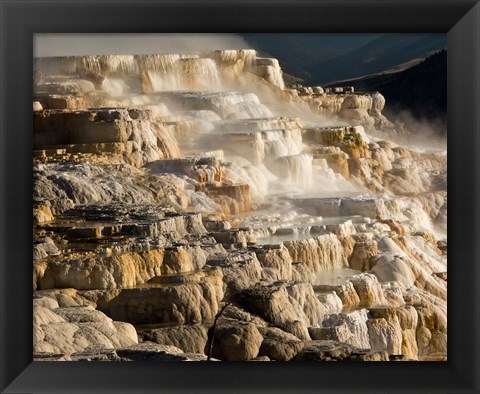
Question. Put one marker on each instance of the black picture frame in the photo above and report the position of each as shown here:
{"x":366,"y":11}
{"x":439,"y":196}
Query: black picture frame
{"x":21,"y":19}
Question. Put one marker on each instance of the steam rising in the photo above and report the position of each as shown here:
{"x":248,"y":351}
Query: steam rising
{"x":66,"y":44}
{"x":422,"y":127}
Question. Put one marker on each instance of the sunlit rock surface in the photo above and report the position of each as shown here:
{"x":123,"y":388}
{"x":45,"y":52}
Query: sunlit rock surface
{"x":73,"y":329}
{"x":193,"y":207}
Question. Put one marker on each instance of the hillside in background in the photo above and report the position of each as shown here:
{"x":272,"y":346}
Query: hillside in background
{"x":417,"y":93}
{"x":301,"y":53}
{"x":320,"y":58}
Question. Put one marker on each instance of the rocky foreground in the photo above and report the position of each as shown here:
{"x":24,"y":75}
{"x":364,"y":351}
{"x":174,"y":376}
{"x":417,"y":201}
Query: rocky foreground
{"x":193,"y":208}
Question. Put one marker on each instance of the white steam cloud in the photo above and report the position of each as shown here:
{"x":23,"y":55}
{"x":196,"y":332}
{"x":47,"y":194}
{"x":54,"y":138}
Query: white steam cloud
{"x":72,"y":44}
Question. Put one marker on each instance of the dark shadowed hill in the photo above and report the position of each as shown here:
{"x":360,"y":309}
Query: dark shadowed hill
{"x":417,"y":93}
{"x":320,"y":58}
{"x":300,"y":53}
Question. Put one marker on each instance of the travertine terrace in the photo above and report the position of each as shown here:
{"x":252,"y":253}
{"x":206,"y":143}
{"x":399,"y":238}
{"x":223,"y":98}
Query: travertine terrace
{"x":194,"y":207}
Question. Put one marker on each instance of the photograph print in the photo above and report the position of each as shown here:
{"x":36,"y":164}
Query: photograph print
{"x":240,"y":197}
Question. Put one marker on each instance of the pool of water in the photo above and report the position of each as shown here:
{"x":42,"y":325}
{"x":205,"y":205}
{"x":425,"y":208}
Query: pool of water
{"x":334,"y":277}
{"x":299,"y":230}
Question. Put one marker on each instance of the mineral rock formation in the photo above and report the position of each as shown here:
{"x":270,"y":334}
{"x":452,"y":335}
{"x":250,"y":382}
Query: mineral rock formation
{"x":194,"y":206}
{"x":74,"y":329}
